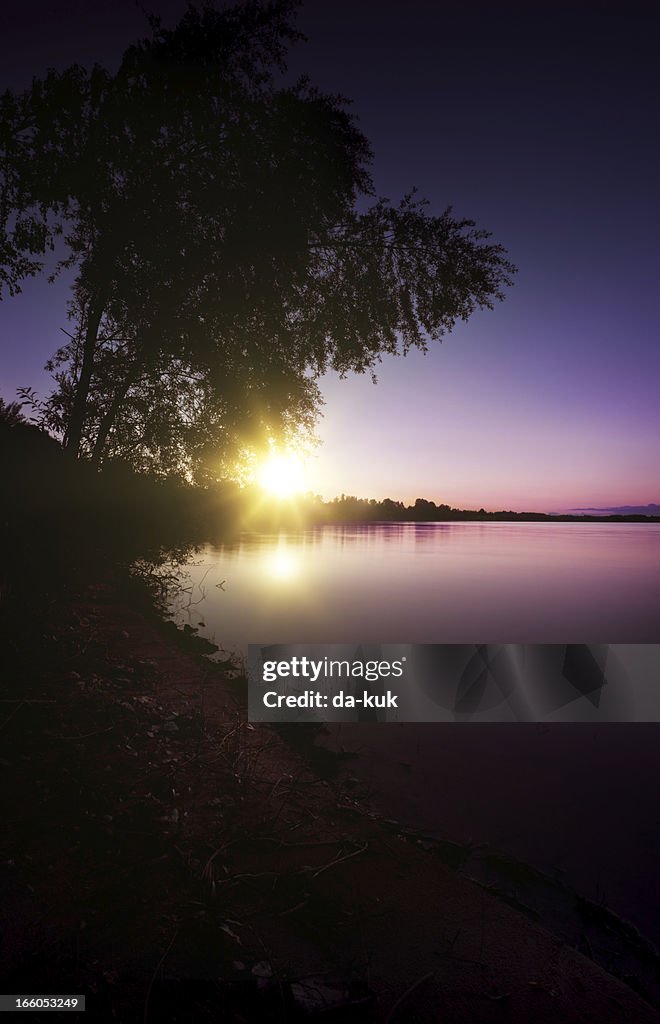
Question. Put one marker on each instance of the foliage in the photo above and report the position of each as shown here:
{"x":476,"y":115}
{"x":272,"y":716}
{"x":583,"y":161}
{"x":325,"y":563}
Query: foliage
{"x":223,"y":256}
{"x":11,"y":413}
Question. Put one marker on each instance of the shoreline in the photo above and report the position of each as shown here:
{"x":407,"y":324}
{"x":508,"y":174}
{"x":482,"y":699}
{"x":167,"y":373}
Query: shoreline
{"x":490,"y":517}
{"x":162,"y":849}
{"x":561,"y":834}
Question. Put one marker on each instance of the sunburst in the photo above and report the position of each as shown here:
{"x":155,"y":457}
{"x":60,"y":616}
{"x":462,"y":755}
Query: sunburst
{"x":281,"y":474}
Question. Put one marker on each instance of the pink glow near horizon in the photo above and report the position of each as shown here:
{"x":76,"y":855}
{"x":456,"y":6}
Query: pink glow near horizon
{"x":447,"y":428}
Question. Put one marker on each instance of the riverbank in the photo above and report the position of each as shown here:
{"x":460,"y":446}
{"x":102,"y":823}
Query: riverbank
{"x":553,"y":818}
{"x":173,"y":863}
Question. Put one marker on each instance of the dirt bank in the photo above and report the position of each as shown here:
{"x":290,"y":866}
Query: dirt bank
{"x":172,"y":863}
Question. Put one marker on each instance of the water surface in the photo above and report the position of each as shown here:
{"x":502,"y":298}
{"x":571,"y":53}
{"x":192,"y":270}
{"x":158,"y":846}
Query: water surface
{"x":430,"y":583}
{"x":576,"y":801}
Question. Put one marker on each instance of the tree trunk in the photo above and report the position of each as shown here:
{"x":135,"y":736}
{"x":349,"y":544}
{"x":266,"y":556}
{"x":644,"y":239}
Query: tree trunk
{"x":108,"y":420}
{"x":77,"y":420}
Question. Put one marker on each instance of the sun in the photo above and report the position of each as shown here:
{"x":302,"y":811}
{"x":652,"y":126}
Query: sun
{"x":282,"y":475}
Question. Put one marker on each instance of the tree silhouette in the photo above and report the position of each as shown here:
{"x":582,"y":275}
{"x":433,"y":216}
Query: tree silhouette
{"x":11,"y":413}
{"x":223,"y":254}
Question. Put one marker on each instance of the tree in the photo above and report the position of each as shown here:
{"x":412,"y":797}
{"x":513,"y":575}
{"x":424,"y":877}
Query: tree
{"x":11,"y":413}
{"x":222,"y":252}
{"x":425,"y":509}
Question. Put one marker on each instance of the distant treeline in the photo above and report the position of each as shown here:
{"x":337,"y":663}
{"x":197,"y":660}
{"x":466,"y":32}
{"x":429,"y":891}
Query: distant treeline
{"x":350,"y":508}
{"x":226,"y":509}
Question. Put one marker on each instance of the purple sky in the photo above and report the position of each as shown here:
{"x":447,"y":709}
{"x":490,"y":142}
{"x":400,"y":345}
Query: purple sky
{"x":538,"y":120}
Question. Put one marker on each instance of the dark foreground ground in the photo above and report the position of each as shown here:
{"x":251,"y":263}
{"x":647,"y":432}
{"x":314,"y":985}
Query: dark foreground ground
{"x":173,"y":863}
{"x":556,"y":818}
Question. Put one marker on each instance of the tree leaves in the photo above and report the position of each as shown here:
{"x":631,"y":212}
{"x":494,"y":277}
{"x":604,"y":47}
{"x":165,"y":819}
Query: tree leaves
{"x":210,"y":215}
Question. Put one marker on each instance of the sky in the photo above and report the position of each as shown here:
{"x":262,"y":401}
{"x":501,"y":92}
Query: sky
{"x":539,"y":121}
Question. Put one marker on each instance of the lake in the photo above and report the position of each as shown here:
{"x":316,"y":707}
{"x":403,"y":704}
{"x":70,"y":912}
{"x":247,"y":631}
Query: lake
{"x":429,"y":583}
{"x":576,"y":801}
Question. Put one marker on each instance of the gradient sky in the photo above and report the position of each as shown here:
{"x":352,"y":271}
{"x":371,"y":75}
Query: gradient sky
{"x":538,"y":120}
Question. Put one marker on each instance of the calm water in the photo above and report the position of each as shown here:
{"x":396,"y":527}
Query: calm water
{"x":430,"y":583}
{"x":570,"y":800}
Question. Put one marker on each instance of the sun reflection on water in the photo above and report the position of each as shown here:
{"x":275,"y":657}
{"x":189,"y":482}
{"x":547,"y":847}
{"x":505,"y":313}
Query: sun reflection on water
{"x":282,"y":564}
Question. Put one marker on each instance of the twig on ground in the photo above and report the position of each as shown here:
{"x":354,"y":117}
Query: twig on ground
{"x":409,"y":991}
{"x":9,"y":717}
{"x":292,"y":910}
{"x":155,"y":974}
{"x":21,"y":700}
{"x":88,"y":735}
{"x":339,"y":860}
